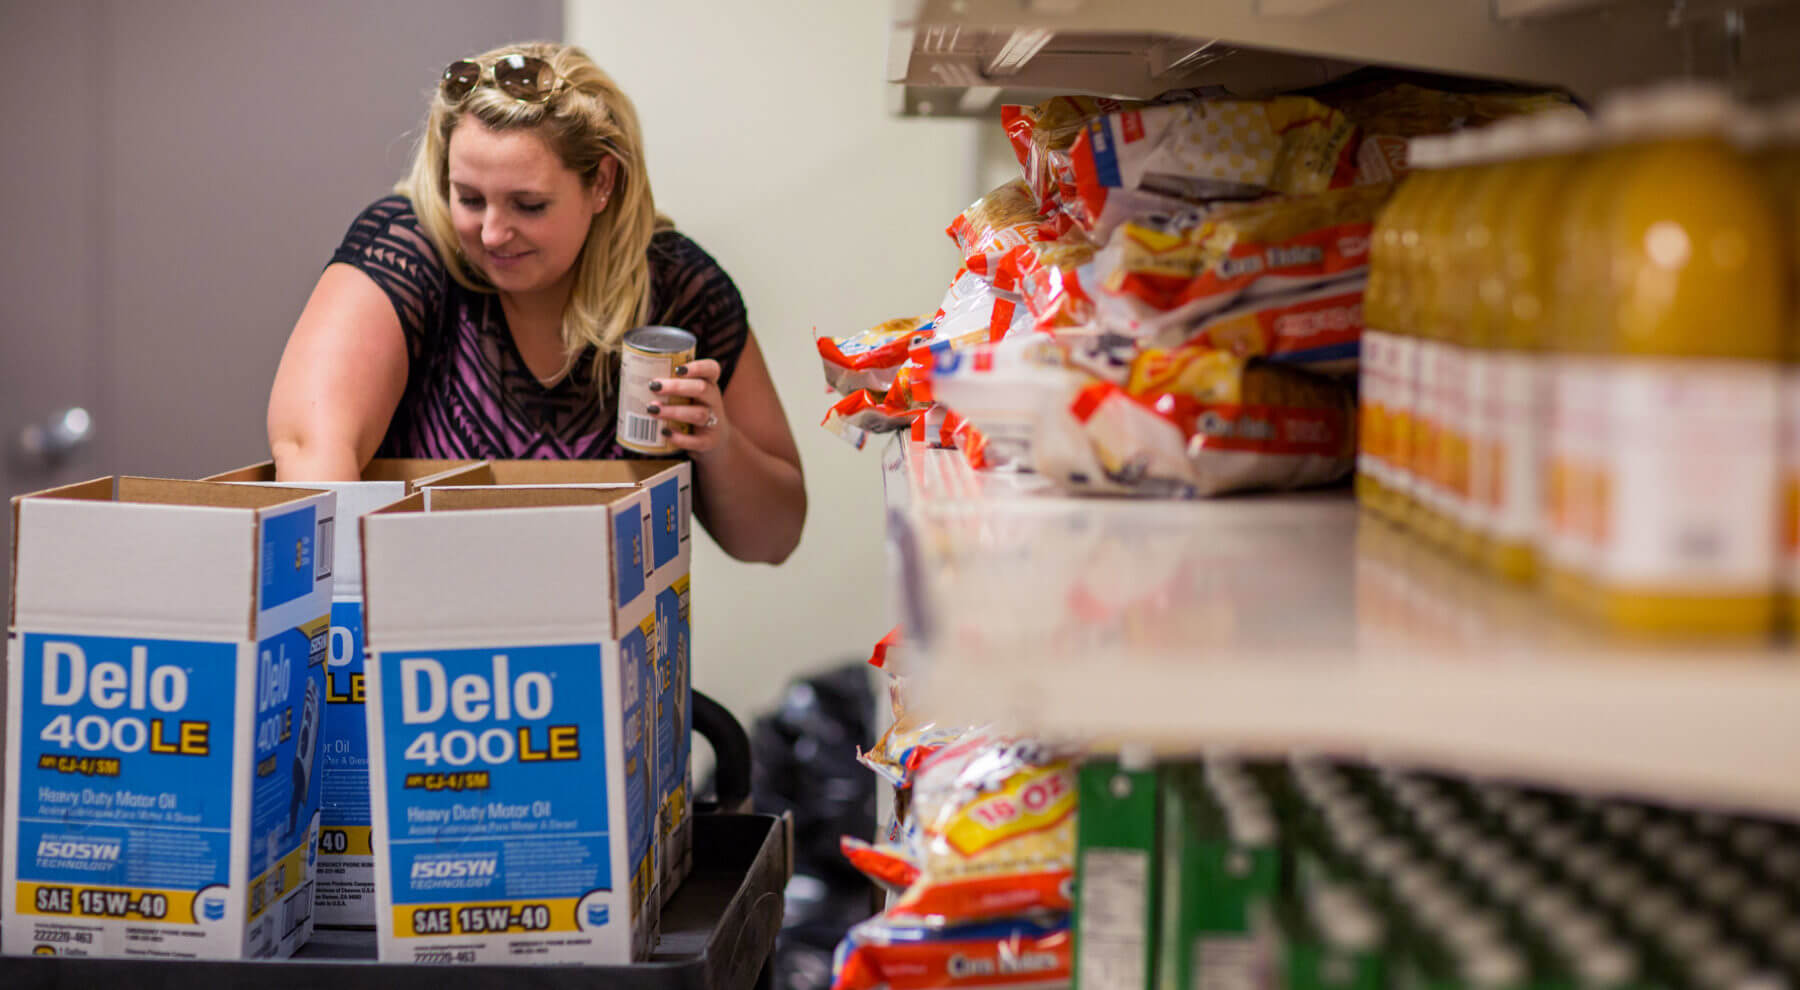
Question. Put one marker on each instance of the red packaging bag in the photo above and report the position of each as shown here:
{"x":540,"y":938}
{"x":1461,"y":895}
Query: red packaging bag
{"x":1317,"y":329}
{"x":869,"y":359}
{"x":1195,"y":422}
{"x":1215,"y":149}
{"x":999,"y":842}
{"x":997,"y":228}
{"x":1161,"y":275}
{"x":887,"y":954}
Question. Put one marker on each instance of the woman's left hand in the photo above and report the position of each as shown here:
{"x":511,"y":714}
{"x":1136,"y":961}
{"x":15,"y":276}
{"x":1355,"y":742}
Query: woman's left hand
{"x":698,"y":382}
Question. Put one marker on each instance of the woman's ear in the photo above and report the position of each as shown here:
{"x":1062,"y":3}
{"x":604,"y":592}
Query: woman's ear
{"x":604,"y":181}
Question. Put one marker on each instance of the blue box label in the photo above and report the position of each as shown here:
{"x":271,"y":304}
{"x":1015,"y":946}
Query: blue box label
{"x":637,"y":671}
{"x":665,"y":520}
{"x":628,"y":551}
{"x":289,"y":543}
{"x":125,"y":776}
{"x":496,"y":783}
{"x":344,"y":800}
{"x":285,"y":782}
{"x":674,"y":728}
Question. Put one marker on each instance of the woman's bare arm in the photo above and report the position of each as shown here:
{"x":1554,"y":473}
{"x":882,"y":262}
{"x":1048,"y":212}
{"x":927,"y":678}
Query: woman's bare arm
{"x":340,"y":380}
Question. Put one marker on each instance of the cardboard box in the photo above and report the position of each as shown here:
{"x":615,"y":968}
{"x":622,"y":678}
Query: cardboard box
{"x":165,"y":674}
{"x":1218,"y":875}
{"x":668,"y":524}
{"x":344,"y":895}
{"x":509,"y":638}
{"x":1116,"y":877}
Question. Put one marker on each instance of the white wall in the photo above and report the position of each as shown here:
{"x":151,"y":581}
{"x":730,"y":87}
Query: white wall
{"x":770,"y":143}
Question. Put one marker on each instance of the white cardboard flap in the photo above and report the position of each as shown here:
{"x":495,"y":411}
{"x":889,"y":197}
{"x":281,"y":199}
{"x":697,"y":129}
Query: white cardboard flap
{"x":111,"y":568}
{"x":480,"y":577}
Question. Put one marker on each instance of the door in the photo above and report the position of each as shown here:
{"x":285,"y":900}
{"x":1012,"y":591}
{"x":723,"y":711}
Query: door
{"x":173,"y":178}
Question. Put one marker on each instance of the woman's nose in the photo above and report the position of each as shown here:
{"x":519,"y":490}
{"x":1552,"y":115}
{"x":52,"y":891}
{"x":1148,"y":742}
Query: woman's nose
{"x":494,"y":229}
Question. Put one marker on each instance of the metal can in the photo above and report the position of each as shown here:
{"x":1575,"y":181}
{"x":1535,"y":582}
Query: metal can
{"x":650,"y":353}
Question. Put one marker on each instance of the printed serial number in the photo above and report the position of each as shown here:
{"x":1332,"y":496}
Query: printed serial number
{"x":58,"y":935}
{"x":460,"y":956}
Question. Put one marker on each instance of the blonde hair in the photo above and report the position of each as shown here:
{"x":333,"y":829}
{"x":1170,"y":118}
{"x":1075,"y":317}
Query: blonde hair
{"x":585,"y":121}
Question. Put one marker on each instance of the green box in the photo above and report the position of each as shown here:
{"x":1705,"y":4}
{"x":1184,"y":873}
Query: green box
{"x":1115,"y":877}
{"x":1215,"y":881}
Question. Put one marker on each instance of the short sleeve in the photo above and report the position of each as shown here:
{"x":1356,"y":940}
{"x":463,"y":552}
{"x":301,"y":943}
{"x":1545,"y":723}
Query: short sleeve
{"x":693,"y":292}
{"x":386,"y":244}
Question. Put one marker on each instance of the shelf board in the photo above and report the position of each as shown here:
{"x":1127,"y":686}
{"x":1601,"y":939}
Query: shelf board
{"x":965,"y":57}
{"x":1280,"y":622}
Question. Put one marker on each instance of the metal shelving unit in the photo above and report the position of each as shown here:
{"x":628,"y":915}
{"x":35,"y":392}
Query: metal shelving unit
{"x":1271,"y":623}
{"x":965,"y":57}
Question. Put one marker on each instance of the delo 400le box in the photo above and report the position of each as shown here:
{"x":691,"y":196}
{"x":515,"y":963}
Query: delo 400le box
{"x":508,"y":633}
{"x":344,"y":894}
{"x":667,"y":525}
{"x":165,"y":685}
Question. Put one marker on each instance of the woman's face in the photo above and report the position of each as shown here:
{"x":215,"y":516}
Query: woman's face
{"x":520,"y":216}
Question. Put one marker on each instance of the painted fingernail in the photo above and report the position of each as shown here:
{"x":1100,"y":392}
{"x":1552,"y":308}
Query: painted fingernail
{"x":655,"y":386}
{"x":668,"y":432}
{"x":653,"y":408}
{"x":681,"y":371}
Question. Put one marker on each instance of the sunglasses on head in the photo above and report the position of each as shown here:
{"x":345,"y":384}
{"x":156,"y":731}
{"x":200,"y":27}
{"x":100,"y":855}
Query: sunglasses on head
{"x":526,"y":78}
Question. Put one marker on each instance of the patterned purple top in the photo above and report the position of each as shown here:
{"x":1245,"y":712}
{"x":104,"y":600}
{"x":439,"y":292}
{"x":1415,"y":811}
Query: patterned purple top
{"x":468,"y":391}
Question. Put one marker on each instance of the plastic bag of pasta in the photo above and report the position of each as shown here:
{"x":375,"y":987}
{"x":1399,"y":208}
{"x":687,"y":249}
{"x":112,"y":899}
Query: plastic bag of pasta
{"x":885,"y":953}
{"x":864,"y":412}
{"x":1196,"y":421}
{"x":974,"y":311}
{"x":905,"y":746}
{"x":1056,"y":278}
{"x":1317,"y":329}
{"x":1044,"y":135}
{"x":997,"y":228}
{"x":868,"y":360}
{"x":885,"y":863}
{"x":997,"y":840}
{"x":1215,"y":149}
{"x":1390,"y":113}
{"x":1162,"y":274}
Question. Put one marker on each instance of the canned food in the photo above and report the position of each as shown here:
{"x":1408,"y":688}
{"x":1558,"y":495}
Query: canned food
{"x":650,"y":353}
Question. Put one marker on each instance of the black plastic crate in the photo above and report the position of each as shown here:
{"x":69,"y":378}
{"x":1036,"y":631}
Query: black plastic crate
{"x":717,"y":934}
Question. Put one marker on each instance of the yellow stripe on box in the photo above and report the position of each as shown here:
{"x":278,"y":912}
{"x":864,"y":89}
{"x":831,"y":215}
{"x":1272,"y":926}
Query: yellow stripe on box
{"x":347,"y":840}
{"x":320,"y":626}
{"x":137,"y":904}
{"x":550,"y":914}
{"x":288,"y":874}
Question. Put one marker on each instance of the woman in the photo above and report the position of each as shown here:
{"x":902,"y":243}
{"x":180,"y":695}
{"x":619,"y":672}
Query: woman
{"x":479,"y":312}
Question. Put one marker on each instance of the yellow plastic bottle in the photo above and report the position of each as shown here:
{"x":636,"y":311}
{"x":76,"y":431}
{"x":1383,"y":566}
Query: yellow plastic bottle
{"x":1777,"y":155}
{"x":1435,"y":505}
{"x":1518,"y":298}
{"x":1405,"y":439}
{"x":1472,"y":304}
{"x":1581,"y":311}
{"x":1375,"y":489}
{"x":1690,"y":487}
